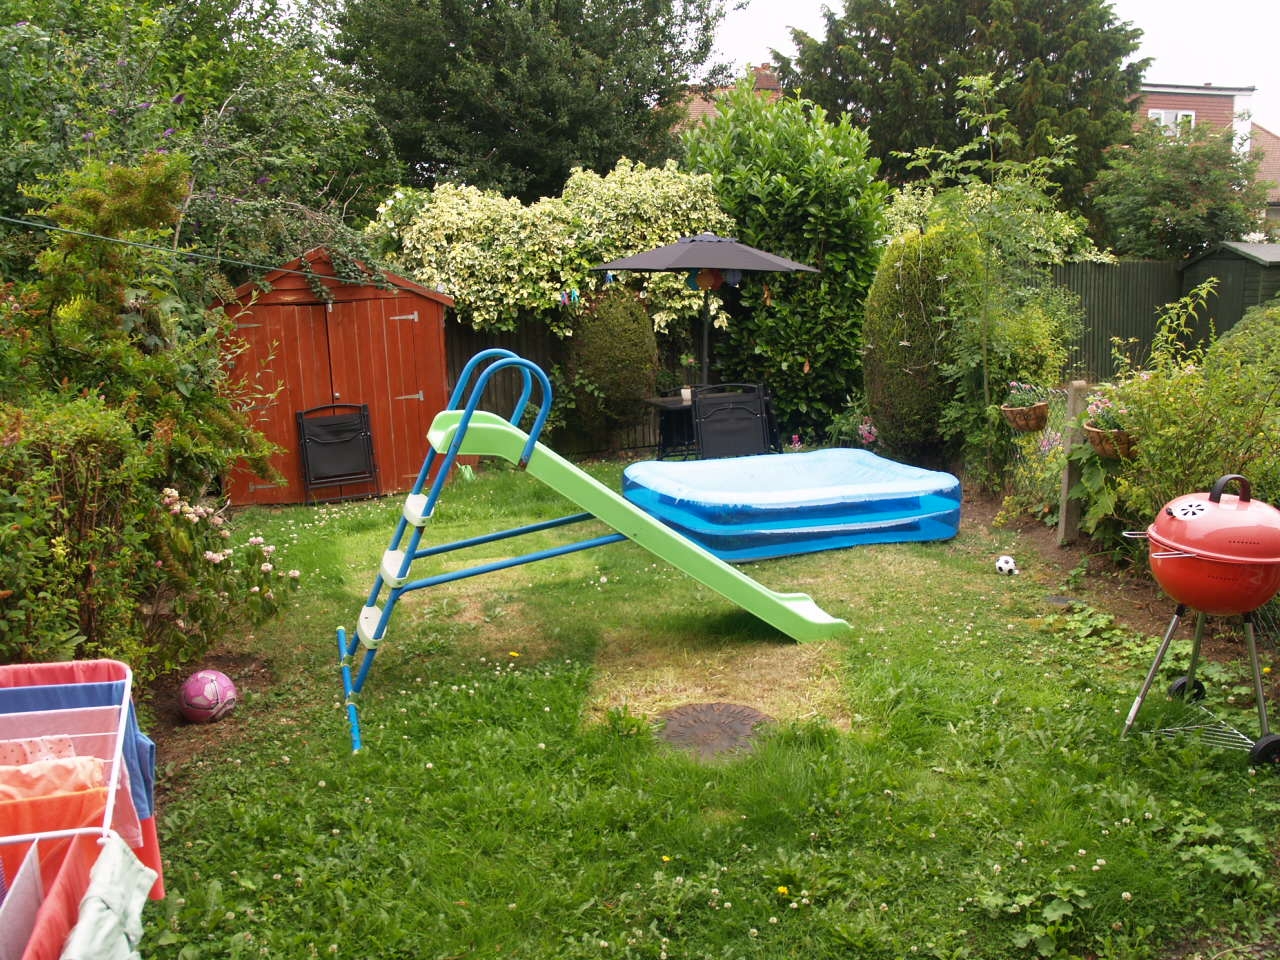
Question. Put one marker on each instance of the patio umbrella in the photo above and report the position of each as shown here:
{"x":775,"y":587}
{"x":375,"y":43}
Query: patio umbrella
{"x":706,"y":251}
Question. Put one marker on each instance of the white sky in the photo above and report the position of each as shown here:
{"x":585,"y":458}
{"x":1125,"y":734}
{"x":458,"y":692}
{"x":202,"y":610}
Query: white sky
{"x":1229,"y":43}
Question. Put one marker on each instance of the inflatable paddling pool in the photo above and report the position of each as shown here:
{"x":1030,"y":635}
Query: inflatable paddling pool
{"x":774,"y":505}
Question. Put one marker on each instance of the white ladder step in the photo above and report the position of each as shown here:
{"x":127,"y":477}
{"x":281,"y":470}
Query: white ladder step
{"x":392,"y":561}
{"x":415,"y":509}
{"x":366,"y":624}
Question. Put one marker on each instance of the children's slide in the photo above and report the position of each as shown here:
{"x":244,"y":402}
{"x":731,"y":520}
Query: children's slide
{"x":488,"y":435}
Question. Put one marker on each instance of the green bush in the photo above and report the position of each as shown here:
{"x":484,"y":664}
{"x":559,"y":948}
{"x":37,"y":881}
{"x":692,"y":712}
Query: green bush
{"x":905,"y":332}
{"x":1199,"y":411}
{"x":115,"y":396}
{"x":803,"y":185}
{"x":1009,"y":321}
{"x":1023,"y":339}
{"x":613,"y":363}
{"x":96,"y":560}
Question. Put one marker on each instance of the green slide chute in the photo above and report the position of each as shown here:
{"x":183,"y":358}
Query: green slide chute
{"x":488,"y":435}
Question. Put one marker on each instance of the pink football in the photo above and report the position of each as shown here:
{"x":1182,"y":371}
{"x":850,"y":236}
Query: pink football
{"x":207,"y":695}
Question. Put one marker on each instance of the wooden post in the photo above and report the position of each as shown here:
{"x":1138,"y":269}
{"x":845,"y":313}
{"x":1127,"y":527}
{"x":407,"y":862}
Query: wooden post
{"x":1068,"y":509}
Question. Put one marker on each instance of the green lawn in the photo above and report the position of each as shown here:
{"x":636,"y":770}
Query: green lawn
{"x":947,"y":781}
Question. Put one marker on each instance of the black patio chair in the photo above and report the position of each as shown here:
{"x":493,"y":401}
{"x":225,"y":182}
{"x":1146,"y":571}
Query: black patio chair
{"x":731,"y":420}
{"x":337,"y":447}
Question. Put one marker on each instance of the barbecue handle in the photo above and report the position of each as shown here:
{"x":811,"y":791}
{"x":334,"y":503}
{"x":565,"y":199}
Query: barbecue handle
{"x":1215,"y":495}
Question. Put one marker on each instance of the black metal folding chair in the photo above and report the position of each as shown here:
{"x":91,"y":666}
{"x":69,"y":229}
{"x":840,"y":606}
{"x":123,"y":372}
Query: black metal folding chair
{"x":337,"y":447}
{"x":731,"y":420}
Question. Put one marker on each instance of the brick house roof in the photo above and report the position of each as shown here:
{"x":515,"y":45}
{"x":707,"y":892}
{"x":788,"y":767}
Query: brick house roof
{"x":702,"y":106}
{"x":1269,"y":144}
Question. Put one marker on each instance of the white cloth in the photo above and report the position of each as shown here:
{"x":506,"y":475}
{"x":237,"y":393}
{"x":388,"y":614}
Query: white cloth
{"x":110,"y":923}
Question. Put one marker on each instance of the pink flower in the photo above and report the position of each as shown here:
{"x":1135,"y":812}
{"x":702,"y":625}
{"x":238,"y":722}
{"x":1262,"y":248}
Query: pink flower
{"x":867,"y":431}
{"x":266,"y":568}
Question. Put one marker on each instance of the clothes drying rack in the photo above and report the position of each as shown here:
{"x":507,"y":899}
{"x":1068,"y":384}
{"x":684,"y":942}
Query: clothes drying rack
{"x":76,"y":779}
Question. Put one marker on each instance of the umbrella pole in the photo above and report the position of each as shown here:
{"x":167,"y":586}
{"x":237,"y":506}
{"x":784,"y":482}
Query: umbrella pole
{"x":706,"y":335}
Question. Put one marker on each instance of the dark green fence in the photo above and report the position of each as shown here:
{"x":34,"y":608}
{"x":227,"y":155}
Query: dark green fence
{"x":1120,"y":300}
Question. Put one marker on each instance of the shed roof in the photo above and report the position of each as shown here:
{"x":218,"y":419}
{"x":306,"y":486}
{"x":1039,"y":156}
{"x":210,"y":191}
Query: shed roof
{"x":287,"y":283}
{"x":1266,"y":254}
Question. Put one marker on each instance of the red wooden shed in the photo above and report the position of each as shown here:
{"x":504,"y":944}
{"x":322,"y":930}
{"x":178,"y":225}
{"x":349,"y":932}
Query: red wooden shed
{"x":379,"y":349}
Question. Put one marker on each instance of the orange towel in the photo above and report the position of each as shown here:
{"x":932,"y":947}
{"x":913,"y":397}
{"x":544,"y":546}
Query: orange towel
{"x":44,"y":777}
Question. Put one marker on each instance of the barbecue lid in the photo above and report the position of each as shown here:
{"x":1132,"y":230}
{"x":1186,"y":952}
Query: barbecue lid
{"x":1220,"y":526}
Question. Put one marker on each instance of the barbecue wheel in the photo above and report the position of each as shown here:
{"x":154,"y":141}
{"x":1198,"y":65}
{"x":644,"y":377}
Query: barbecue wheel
{"x":1179,"y":690}
{"x":1266,"y":750}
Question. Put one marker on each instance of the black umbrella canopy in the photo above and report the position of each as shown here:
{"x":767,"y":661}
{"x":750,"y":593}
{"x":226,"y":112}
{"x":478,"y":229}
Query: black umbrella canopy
{"x":706,"y":251}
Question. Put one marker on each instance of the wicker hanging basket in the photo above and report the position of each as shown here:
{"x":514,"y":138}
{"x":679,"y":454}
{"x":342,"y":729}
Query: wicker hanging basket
{"x":1027,"y":419}
{"x":1112,"y":444}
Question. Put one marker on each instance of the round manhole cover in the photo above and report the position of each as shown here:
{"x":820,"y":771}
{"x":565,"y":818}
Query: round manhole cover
{"x":709,"y":729}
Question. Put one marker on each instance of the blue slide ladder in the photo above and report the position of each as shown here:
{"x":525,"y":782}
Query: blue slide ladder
{"x":406,"y":542}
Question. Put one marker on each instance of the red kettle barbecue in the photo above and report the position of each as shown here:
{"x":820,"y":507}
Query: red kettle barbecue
{"x":1219,"y":554}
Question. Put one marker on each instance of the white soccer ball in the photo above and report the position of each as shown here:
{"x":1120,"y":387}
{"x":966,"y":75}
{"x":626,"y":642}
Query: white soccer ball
{"x":1005,"y":565}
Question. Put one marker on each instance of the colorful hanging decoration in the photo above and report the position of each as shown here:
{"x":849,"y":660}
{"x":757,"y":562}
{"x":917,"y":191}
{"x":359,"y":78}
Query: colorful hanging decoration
{"x":768,"y":295}
{"x":732,"y":277}
{"x":569,"y":297}
{"x":709,"y":279}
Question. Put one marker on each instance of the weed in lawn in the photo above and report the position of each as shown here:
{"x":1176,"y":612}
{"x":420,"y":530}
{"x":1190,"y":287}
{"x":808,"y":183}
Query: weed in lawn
{"x":979,"y":804}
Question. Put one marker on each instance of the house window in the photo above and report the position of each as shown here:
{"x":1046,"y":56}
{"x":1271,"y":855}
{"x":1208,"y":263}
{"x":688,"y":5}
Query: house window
{"x":1171,"y":120}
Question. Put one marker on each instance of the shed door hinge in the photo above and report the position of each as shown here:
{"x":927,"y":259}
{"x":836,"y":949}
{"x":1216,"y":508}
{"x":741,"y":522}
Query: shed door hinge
{"x":406,"y":316}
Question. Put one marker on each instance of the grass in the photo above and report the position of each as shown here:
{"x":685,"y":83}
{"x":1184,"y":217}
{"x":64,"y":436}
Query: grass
{"x":947,"y":781}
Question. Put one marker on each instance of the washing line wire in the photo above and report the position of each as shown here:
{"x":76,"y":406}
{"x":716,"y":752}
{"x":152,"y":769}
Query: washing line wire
{"x":53,"y":228}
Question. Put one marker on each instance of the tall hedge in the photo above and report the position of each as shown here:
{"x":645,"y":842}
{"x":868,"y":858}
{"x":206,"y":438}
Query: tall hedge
{"x":803,"y":186}
{"x":507,"y":263}
{"x":905,"y":334}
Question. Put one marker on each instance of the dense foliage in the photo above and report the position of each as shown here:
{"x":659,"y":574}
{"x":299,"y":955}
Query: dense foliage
{"x":1008,"y":320}
{"x":117,"y":418}
{"x":505,"y":263}
{"x":1199,"y":410}
{"x":512,"y":96}
{"x":803,"y":186}
{"x":612,"y":365}
{"x":1173,"y":194}
{"x":281,"y":153}
{"x":894,"y":67}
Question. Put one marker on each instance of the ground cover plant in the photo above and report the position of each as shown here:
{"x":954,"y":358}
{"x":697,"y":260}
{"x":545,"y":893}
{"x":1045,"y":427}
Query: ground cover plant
{"x":945,"y":781}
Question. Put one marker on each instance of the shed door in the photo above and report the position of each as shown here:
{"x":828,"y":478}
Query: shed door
{"x":387,"y":353}
{"x":287,"y":366}
{"x":382,"y":354}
